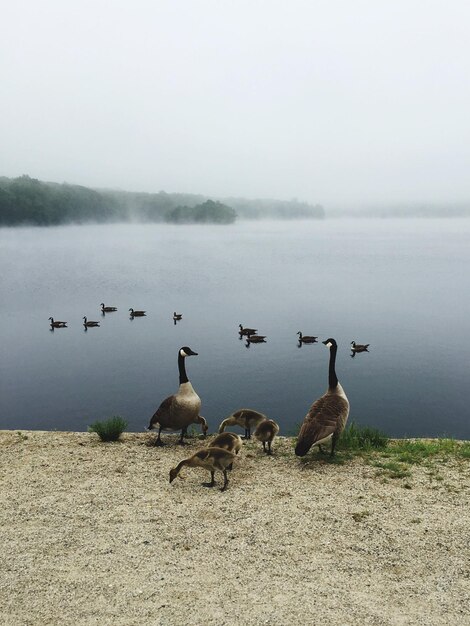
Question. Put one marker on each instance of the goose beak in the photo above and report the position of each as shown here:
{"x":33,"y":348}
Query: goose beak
{"x":325,"y":342}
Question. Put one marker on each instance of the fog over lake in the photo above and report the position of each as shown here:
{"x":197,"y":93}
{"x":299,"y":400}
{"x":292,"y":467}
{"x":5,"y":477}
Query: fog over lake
{"x":400,"y":285}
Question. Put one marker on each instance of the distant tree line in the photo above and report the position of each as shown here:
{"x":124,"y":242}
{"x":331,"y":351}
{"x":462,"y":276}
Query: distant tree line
{"x":26,"y":200}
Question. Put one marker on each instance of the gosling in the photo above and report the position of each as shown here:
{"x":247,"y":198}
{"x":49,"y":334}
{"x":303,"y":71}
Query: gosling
{"x":211,"y":459}
{"x":246,"y":418}
{"x":265,"y":432}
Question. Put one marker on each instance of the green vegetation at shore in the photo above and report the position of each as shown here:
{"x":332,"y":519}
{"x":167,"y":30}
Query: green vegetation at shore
{"x":26,"y":200}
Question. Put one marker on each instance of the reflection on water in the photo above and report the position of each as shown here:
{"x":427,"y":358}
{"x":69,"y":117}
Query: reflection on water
{"x":278,"y":277}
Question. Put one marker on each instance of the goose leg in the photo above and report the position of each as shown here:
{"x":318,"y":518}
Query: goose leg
{"x":158,"y":440}
{"x":225,"y":481}
{"x":181,"y":441}
{"x":264,"y":446}
{"x":269,"y":448}
{"x":212,"y":483}
{"x":334,"y":439}
{"x":321,"y":448}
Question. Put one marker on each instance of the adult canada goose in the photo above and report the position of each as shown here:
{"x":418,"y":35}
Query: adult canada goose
{"x":212,"y":459}
{"x":137,"y":313}
{"x":256,"y":339}
{"x":89,"y":324}
{"x":327,"y":416}
{"x":177,"y":316}
{"x":57,"y":324}
{"x":265,"y":432}
{"x":182,"y":408}
{"x":247,"y":331}
{"x":306,"y":338}
{"x":359,"y":347}
{"x":107,"y":309}
{"x":245,"y":418}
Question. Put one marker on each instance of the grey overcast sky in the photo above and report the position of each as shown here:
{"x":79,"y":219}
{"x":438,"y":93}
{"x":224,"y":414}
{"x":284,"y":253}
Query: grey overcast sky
{"x":341,"y":102}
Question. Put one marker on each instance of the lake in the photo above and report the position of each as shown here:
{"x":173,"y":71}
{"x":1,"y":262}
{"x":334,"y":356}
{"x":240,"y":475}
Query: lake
{"x":400,"y":285}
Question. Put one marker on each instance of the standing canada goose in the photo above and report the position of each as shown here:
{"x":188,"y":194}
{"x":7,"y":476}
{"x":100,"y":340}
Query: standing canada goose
{"x":359,"y":347}
{"x":137,"y":313}
{"x":177,"y":316}
{"x":328,"y":415}
{"x":107,"y":309}
{"x":247,"y":331}
{"x":307,"y":338}
{"x":182,"y":408}
{"x":88,"y":324}
{"x":57,"y":324}
{"x":265,"y":432}
{"x":211,"y":459}
{"x":255,"y":339}
{"x":246,"y":418}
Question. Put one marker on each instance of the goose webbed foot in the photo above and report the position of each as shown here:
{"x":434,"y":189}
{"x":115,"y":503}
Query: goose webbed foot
{"x":159,"y":442}
{"x":183,"y":443}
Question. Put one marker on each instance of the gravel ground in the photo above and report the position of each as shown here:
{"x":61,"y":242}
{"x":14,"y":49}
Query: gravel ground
{"x":93,"y":533}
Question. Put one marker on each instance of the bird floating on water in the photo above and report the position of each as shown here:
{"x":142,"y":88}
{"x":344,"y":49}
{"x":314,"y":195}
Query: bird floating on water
{"x":57,"y":324}
{"x":107,"y":309}
{"x":89,"y":324}
{"x":307,"y":338}
{"x":137,"y":313}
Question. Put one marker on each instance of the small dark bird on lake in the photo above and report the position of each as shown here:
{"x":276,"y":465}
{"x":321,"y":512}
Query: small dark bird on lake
{"x":307,"y":338}
{"x":359,"y":347}
{"x":57,"y":324}
{"x":177,"y":316}
{"x":247,"y":331}
{"x":107,"y":309}
{"x":89,"y":324}
{"x":255,"y":339}
{"x":137,"y":313}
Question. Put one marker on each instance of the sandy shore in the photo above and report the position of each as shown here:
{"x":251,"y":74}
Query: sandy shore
{"x":93,"y":533}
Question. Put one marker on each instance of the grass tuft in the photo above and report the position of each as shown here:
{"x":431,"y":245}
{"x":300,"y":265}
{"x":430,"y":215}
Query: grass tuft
{"x":110,"y":429}
{"x":362,"y":438}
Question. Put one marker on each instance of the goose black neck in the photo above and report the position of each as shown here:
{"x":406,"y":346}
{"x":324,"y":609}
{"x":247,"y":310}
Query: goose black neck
{"x":332,"y":378}
{"x":182,"y":369}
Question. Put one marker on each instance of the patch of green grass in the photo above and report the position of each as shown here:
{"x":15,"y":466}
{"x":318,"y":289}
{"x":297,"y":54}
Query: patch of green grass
{"x":392,"y":469}
{"x":110,"y":429}
{"x":362,"y":438}
{"x":418,"y":451}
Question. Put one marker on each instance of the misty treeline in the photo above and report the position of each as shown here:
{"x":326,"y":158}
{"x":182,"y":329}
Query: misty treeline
{"x":26,"y":200}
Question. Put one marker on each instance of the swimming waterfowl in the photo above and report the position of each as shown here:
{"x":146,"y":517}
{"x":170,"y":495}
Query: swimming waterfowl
{"x":182,"y":408}
{"x":359,"y":347}
{"x":177,"y":316}
{"x":107,"y":309}
{"x":247,"y":331}
{"x":137,"y":313}
{"x":245,"y":418}
{"x":212,"y":459}
{"x":327,"y":417}
{"x":89,"y":324}
{"x":307,"y":338}
{"x":57,"y":324}
{"x":256,"y":339}
{"x":265,"y":432}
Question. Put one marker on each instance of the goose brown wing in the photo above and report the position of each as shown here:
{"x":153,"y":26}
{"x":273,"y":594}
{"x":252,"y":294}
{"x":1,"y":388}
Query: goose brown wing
{"x":163,"y":414}
{"x":325,"y":416}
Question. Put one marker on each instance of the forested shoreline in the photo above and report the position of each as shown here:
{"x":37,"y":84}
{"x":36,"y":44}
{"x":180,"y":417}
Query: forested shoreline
{"x":26,"y":200}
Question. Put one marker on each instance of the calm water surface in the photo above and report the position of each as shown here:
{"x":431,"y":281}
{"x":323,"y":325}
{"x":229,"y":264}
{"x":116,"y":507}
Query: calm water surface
{"x":400,"y":285}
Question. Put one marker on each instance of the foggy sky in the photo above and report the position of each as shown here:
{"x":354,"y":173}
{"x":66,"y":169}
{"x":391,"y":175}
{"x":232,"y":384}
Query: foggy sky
{"x":337,"y":102}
